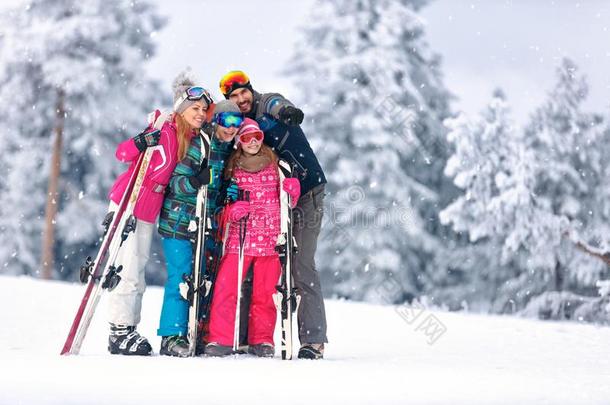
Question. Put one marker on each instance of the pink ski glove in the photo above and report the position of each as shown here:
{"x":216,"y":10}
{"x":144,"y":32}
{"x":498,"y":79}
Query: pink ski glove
{"x":293,"y":187}
{"x":238,"y":210}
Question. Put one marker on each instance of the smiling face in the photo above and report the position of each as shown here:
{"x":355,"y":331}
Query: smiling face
{"x":226,"y":134}
{"x":250,"y":140}
{"x":243,"y":98}
{"x":195,"y":114}
{"x":252,"y":148}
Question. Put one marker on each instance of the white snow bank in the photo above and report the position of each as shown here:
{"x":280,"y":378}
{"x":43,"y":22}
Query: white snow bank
{"x":374,"y":357}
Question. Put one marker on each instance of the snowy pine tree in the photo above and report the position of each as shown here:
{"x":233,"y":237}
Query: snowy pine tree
{"x":374,"y":103}
{"x":571,"y":147}
{"x":93,"y":53}
{"x":497,"y":210}
{"x":526,"y":191}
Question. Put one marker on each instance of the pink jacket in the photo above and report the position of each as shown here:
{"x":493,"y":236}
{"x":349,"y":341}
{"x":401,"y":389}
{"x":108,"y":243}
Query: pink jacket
{"x":162,"y":164}
{"x":263,"y":225}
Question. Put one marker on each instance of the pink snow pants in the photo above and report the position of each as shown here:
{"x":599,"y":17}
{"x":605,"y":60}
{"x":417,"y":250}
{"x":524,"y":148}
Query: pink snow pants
{"x":261,"y":323}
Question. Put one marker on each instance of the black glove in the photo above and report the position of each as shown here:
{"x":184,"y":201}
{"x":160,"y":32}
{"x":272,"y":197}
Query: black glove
{"x":290,"y":115}
{"x":146,"y":139}
{"x":202,"y":177}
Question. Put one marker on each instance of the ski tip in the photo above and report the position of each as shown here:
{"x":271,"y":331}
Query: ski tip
{"x":66,"y":351}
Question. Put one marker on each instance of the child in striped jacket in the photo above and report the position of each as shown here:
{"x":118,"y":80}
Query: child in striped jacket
{"x":179,"y":206}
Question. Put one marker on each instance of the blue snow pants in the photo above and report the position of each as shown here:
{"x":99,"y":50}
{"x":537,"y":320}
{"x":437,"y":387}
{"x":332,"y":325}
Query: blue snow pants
{"x":174,"y":312}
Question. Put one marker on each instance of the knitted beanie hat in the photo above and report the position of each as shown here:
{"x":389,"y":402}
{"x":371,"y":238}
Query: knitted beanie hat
{"x":181,"y":84}
{"x":225,"y":106}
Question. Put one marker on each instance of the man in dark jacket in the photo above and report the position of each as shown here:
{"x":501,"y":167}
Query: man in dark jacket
{"x":280,"y":121}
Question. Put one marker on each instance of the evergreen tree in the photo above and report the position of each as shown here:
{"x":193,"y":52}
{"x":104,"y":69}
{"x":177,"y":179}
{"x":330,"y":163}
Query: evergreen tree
{"x":532,"y":193}
{"x":571,"y":148}
{"x":87,"y":59}
{"x":497,"y":211}
{"x":374,"y":103}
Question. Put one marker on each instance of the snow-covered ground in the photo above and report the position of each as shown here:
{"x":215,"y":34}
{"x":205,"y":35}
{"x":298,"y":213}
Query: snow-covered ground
{"x":375,"y":356}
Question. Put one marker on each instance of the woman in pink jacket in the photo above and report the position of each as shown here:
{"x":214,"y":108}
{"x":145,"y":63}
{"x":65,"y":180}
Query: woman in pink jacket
{"x":253,"y":166}
{"x":170,"y":144}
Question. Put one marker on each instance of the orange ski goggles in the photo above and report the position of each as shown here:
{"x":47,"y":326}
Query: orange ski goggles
{"x":234,"y":80}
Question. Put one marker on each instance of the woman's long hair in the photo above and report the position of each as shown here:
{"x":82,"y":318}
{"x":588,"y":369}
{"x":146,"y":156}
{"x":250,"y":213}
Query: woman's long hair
{"x":183,"y":133}
{"x":238,"y":153}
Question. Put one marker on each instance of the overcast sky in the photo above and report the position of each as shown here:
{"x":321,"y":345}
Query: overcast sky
{"x":514,"y":44}
{"x":215,"y":36}
{"x":517,"y":44}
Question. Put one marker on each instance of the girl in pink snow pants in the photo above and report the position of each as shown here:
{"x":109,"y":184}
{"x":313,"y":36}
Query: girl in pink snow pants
{"x":253,"y":166}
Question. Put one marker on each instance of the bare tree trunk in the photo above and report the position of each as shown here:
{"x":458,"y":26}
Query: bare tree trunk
{"x":48,"y":238}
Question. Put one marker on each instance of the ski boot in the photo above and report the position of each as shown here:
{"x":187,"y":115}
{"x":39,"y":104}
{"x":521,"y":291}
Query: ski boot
{"x":262,"y":350}
{"x":176,"y":346}
{"x":214,"y":349}
{"x":311,"y":351}
{"x":126,"y":340}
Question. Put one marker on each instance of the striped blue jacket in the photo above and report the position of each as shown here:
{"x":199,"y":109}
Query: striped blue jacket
{"x":181,"y":197}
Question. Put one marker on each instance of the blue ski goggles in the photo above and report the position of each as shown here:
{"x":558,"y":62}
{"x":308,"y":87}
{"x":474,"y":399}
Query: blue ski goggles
{"x":229,"y":119}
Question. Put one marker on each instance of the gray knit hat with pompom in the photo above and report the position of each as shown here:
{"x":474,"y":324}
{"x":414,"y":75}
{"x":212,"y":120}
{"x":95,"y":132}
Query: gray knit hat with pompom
{"x":181,"y":84}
